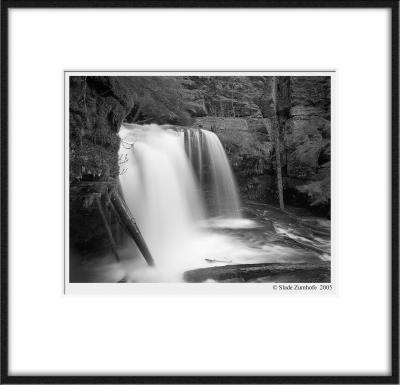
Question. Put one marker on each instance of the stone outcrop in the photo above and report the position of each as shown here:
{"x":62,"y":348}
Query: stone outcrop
{"x":97,"y":107}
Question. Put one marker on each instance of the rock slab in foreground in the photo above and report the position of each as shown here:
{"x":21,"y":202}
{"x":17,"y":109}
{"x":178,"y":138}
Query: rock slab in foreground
{"x":263,"y":272}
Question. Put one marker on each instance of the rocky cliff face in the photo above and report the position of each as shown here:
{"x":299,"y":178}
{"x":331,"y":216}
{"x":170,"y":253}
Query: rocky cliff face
{"x":308,"y":129}
{"x":308,"y":139}
{"x":97,"y":107}
{"x":304,"y":114}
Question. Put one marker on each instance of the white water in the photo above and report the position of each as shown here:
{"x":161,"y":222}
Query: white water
{"x":160,"y":186}
{"x":194,"y":150}
{"x":213,"y":171}
{"x":223,"y":187}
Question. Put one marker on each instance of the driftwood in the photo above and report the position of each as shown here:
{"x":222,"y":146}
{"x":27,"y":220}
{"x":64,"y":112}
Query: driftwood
{"x":267,"y":272}
{"x":108,"y":229}
{"x":130,"y":225}
{"x":211,"y":260}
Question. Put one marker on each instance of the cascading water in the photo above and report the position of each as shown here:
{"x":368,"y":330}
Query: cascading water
{"x":224,"y":191}
{"x":194,"y":150}
{"x":159,"y":187}
{"x":214,"y":173}
{"x":161,"y":183}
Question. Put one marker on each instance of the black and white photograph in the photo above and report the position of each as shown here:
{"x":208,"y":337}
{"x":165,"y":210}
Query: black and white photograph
{"x":200,"y":192}
{"x":199,"y":178}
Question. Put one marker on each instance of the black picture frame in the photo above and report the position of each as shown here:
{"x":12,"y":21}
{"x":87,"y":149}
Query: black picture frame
{"x":393,"y":378}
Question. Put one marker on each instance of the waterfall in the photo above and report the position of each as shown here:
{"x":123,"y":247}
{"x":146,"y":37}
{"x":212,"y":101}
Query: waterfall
{"x":164,"y":175}
{"x":224,"y":191}
{"x":194,"y":150}
{"x":159,"y":187}
{"x":213,"y":171}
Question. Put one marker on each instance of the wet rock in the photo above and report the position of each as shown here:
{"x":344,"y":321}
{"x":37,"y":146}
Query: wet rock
{"x":269,"y":226}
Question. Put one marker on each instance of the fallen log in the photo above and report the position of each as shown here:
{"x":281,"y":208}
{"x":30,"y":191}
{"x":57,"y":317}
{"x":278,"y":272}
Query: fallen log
{"x":108,"y":229}
{"x":263,"y":272}
{"x":131,"y":226}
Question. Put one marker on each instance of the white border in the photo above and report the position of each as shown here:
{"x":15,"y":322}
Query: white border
{"x":197,"y":288}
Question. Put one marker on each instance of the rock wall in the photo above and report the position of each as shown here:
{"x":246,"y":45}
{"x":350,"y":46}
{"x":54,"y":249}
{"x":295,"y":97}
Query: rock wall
{"x":97,"y":107}
{"x":308,"y":140}
{"x":308,"y":128}
{"x":304,"y":115}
